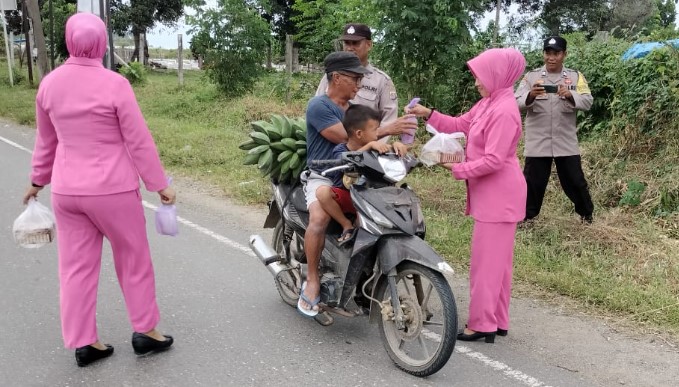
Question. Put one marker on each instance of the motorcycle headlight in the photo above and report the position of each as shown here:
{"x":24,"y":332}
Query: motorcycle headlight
{"x":394,"y":170}
{"x":376,"y":216}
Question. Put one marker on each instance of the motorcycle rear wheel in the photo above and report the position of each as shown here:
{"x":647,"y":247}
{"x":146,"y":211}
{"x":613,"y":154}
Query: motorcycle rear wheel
{"x":428,"y":340}
{"x":288,"y":282}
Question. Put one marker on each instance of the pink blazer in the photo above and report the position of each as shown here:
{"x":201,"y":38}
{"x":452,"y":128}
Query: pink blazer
{"x":92,"y":138}
{"x":496,"y":187}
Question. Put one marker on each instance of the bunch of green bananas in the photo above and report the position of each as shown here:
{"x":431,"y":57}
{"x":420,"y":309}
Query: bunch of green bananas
{"x":277,"y":147}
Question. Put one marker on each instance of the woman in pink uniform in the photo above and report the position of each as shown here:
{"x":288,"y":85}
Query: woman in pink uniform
{"x":496,"y":188}
{"x":92,"y":145}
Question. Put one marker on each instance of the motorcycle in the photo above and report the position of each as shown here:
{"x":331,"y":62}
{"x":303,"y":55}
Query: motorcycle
{"x":389,"y":272}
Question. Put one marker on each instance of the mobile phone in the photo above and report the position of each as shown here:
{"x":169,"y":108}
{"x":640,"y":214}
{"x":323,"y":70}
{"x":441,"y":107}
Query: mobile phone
{"x":551,"y":88}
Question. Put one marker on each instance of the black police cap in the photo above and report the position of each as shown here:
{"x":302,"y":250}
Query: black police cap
{"x":556,"y":43}
{"x":356,"y":32}
{"x":344,"y":61}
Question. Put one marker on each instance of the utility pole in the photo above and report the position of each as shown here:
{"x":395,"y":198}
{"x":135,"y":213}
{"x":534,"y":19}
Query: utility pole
{"x":109,"y":29}
{"x":29,"y":54}
{"x":497,"y":22}
{"x":180,"y":59}
{"x":51,"y":35}
{"x":7,"y":43}
{"x":39,"y":36}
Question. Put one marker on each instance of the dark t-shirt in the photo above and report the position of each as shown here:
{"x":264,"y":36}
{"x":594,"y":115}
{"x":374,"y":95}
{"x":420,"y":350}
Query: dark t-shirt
{"x":321,"y":113}
{"x":336,"y":177}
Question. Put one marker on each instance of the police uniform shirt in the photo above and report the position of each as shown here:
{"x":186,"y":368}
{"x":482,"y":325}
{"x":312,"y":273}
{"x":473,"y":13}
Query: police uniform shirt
{"x":550,"y":125}
{"x":376,"y":91}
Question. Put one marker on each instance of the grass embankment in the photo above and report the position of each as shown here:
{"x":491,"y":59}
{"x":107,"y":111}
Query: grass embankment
{"x":625,"y":265}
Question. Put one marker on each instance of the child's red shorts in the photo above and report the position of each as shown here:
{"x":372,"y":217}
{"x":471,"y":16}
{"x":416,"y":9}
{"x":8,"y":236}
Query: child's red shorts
{"x":343,"y":198}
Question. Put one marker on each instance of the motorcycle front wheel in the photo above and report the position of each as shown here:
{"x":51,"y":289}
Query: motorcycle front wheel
{"x":288,"y":282}
{"x":427,"y":339}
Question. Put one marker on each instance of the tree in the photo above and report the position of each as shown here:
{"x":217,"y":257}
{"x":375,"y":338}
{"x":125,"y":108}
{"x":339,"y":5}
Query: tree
{"x":63,"y":9}
{"x":232,"y":39}
{"x":319,"y":23}
{"x":668,"y":12}
{"x":631,"y":16}
{"x":423,"y":45}
{"x":139,"y":16}
{"x":555,"y":16}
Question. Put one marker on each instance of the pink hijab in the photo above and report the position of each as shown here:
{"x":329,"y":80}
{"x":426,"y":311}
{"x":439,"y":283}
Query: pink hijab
{"x":86,"y":36}
{"x":498,"y":68}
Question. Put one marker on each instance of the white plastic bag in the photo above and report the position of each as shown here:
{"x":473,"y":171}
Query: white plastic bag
{"x":166,"y":218}
{"x":442,"y":144}
{"x":35,"y":226}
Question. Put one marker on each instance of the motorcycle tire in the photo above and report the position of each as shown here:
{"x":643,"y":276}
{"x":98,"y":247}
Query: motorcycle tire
{"x":428,"y":340}
{"x":289,"y":282}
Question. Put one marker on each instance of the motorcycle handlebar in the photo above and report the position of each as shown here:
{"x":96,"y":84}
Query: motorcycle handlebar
{"x":319,"y":164}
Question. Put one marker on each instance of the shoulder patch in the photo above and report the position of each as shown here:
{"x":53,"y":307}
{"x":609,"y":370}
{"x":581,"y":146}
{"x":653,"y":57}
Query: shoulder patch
{"x":582,"y":87}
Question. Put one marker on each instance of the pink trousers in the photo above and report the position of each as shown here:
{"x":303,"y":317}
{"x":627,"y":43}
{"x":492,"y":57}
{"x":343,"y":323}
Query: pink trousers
{"x":82,"y":222}
{"x":492,"y":255}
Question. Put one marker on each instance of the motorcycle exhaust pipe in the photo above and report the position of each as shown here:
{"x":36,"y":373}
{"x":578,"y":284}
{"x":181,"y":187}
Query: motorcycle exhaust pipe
{"x":266,"y":255}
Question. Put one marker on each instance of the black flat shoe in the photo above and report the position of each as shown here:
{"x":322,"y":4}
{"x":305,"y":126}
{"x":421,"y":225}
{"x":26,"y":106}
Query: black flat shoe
{"x":489,"y":336}
{"x":88,"y":354}
{"x":143,"y":344}
{"x":502,"y":332}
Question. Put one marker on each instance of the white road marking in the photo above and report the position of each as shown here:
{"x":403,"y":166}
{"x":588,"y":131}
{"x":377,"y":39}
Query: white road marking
{"x":478,"y":356}
{"x":494,"y":364}
{"x":208,"y":232}
{"x":14,"y":144}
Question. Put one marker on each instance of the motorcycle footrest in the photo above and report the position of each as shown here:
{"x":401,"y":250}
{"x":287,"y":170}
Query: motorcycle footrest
{"x":269,"y":261}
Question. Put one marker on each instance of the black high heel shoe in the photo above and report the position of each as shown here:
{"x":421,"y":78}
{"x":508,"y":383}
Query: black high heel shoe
{"x":502,"y":332}
{"x":143,"y":344}
{"x":89,"y":354}
{"x":489,"y":336}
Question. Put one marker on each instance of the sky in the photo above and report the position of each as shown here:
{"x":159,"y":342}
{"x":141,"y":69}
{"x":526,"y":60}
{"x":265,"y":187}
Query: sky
{"x":165,"y":37}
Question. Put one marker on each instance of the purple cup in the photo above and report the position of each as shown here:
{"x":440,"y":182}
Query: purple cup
{"x":408,"y":136}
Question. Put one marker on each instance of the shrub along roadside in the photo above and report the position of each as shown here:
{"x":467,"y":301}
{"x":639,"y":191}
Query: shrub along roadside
{"x":623,"y":264}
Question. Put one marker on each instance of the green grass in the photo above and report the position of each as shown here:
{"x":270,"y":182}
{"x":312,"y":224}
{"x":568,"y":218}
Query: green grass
{"x":625,"y":265}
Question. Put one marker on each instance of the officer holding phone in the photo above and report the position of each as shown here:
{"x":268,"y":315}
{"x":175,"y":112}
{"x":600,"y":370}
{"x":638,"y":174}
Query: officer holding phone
{"x":550,"y":96}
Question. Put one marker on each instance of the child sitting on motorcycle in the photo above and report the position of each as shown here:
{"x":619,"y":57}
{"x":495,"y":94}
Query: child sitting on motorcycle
{"x":361,"y":123}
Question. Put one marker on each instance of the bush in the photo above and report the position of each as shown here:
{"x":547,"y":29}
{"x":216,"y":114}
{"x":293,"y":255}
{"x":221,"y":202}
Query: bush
{"x":135,"y":72}
{"x":233,"y":40}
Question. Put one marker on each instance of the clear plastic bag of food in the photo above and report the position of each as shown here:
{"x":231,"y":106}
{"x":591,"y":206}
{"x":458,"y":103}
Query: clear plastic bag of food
{"x":442,"y":148}
{"x":166,"y":218}
{"x":35,"y":226}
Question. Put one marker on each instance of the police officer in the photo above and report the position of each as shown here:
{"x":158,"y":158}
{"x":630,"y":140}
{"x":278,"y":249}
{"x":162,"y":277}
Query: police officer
{"x":550,"y":96}
{"x":376,"y":90}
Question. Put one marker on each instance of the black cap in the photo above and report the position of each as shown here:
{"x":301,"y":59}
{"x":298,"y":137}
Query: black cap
{"x":344,"y":61}
{"x":556,"y":43}
{"x":356,"y":32}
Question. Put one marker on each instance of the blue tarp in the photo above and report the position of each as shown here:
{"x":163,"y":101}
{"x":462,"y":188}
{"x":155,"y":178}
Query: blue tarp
{"x":640,"y":50}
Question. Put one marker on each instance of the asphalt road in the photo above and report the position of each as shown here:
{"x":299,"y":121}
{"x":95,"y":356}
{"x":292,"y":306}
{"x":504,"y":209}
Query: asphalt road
{"x":231,"y":328}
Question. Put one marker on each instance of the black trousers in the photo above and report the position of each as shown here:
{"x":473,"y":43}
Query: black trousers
{"x":569,"y":169}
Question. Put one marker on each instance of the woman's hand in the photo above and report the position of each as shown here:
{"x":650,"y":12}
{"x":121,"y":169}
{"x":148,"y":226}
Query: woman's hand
{"x":31,"y":192}
{"x":167,"y":195}
{"x":418,"y":110}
